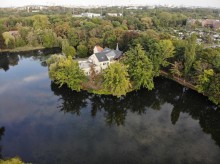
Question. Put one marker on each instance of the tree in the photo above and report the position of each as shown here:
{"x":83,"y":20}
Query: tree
{"x":23,"y":31}
{"x":15,"y":160}
{"x":214,"y":89}
{"x":82,"y":51}
{"x":32,"y":39}
{"x":92,"y":43}
{"x":159,"y":53}
{"x":9,"y":39}
{"x":147,"y":22}
{"x":40,"y":22}
{"x":166,"y":50}
{"x":66,"y":71}
{"x":204,"y":80}
{"x":127,"y":39}
{"x":165,"y":18}
{"x":87,"y":26}
{"x":62,"y":29}
{"x":190,"y":54}
{"x":2,"y":41}
{"x":67,"y":49}
{"x":216,"y":62}
{"x":70,"y":51}
{"x":73,"y":37}
{"x":53,"y":59}
{"x":140,"y":68}
{"x":176,"y":69}
{"x":19,"y":42}
{"x":49,"y":39}
{"x":116,"y":79}
{"x":109,"y":39}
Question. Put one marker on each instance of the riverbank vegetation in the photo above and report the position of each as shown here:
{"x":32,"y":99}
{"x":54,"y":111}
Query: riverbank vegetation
{"x":147,"y":38}
{"x":15,"y":160}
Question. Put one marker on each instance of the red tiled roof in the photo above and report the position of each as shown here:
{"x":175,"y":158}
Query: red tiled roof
{"x":100,"y":49}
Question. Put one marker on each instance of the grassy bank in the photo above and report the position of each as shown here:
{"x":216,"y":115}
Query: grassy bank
{"x":22,"y":49}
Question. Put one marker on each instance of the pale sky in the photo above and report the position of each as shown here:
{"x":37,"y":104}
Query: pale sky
{"x":202,"y":3}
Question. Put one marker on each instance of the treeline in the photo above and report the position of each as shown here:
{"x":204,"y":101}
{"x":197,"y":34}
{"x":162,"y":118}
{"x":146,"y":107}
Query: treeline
{"x":50,"y":31}
{"x":82,"y":33}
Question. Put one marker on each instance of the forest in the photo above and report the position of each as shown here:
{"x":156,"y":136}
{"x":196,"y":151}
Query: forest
{"x":147,"y":37}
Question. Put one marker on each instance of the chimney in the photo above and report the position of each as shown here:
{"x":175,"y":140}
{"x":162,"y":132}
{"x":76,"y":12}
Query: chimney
{"x":117,"y":48}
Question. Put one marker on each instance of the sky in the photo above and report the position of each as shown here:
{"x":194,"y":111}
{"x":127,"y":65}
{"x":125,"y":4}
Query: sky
{"x":202,"y":3}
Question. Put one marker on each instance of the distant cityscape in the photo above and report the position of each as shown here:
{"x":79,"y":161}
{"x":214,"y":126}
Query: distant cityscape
{"x":128,"y":6}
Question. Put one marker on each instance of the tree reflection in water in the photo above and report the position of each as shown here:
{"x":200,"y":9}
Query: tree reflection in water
{"x":11,"y":59}
{"x":72,"y":101}
{"x":8,"y":60}
{"x":115,"y":109}
{"x":2,"y":131}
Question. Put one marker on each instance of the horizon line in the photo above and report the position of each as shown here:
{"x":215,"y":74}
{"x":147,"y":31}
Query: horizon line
{"x":107,"y":5}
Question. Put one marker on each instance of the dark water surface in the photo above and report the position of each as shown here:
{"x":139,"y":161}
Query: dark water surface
{"x":42,"y":123}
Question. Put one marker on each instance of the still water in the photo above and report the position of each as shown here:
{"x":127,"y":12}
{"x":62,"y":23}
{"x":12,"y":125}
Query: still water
{"x":42,"y":123}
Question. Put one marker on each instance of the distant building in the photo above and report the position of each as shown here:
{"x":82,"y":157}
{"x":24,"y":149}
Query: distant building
{"x":90,"y":15}
{"x":134,"y":8}
{"x":212,"y":23}
{"x":115,"y":14}
{"x":150,"y":7}
{"x":216,"y":25}
{"x":78,"y":16}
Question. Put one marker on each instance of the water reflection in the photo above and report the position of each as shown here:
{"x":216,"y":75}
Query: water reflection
{"x":8,"y":60}
{"x":116,"y":109}
{"x":61,"y":126}
{"x":12,"y":59}
{"x":2,"y":131}
{"x":72,"y":101}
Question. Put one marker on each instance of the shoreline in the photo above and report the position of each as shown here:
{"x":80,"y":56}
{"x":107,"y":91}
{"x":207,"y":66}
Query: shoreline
{"x":179,"y":80}
{"x":21,"y":49}
{"x":27,"y":50}
{"x":43,"y":50}
{"x":184,"y":83}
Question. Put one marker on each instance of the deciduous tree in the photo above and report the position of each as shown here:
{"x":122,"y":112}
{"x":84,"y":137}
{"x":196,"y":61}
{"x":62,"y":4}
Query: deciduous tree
{"x":67,"y":71}
{"x":140,"y":68}
{"x":116,"y":79}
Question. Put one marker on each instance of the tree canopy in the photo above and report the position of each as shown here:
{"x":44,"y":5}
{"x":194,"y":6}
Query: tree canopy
{"x":64,"y":70}
{"x":116,"y":80}
{"x":140,"y":68}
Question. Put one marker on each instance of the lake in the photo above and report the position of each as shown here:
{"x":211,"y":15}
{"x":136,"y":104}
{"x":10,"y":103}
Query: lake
{"x":44,"y":124}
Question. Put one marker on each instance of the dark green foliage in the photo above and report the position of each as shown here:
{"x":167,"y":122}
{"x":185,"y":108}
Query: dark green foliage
{"x":67,"y":49}
{"x":49,"y":39}
{"x":140,"y":68}
{"x":64,"y":70}
{"x":82,"y":51}
{"x":73,"y":38}
{"x":190,"y":54}
{"x":214,"y":89}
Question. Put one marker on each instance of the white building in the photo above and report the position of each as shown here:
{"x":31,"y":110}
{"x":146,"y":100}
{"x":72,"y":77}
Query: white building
{"x":100,"y":59}
{"x":90,"y":15}
{"x":115,"y":14}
